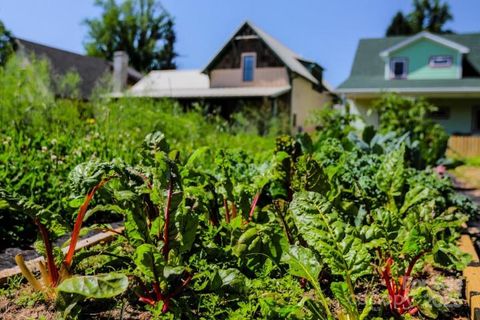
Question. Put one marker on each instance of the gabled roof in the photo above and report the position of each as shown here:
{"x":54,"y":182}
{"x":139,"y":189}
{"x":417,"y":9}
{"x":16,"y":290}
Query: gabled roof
{"x":287,"y":56}
{"x":90,"y":69}
{"x":368,"y":69}
{"x":425,"y":35}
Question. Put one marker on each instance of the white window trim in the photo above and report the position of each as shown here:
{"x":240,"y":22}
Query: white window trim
{"x":438,"y":66}
{"x":254,"y":54}
{"x":391,"y":68}
{"x":459,"y":65}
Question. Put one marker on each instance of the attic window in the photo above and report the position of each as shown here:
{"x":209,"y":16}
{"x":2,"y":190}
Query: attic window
{"x":440,"y":61}
{"x":398,"y":68}
{"x":248,"y":66}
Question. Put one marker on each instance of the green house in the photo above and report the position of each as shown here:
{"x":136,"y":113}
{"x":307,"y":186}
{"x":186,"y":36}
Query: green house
{"x":445,"y":69}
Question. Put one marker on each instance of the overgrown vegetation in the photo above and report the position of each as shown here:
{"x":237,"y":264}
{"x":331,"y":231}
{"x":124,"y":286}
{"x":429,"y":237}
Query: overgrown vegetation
{"x":426,"y":140}
{"x":43,"y":138}
{"x":336,"y":224}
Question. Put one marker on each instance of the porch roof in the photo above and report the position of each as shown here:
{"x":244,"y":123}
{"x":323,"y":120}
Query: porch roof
{"x":236,"y":92}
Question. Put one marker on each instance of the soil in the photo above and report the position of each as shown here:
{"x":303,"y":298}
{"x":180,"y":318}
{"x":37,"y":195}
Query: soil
{"x":12,"y":309}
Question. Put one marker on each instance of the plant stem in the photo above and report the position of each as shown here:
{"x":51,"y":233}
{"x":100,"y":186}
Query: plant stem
{"x":227,"y":212}
{"x":79,"y":221}
{"x":166,"y":248}
{"x":51,"y":266}
{"x":254,"y":205}
{"x":27,"y":273}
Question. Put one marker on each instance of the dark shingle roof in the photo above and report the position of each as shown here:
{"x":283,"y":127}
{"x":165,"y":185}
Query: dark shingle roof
{"x":90,"y":69}
{"x":368,"y":67}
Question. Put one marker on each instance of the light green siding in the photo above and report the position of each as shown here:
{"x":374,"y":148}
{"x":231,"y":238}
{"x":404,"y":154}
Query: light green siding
{"x":460,"y":119}
{"x":458,"y":122}
{"x":418,"y":55}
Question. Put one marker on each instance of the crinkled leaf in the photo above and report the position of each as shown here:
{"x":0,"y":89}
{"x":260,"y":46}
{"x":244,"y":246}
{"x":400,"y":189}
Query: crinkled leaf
{"x":325,"y":232}
{"x":302,"y":263}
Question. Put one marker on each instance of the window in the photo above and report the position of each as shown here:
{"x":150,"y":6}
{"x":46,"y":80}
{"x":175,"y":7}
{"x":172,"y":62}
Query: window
{"x":442,"y":113}
{"x":248,"y":66}
{"x":398,"y":68}
{"x":440,"y":61}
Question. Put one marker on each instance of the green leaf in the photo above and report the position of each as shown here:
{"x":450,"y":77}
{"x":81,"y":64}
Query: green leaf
{"x":169,"y":271}
{"x":449,"y":256}
{"x":233,"y":279}
{"x":366,"y":310}
{"x":415,"y":196}
{"x":343,"y":296}
{"x":302,"y":263}
{"x":99,"y":287}
{"x":428,"y":302}
{"x":324,"y":231}
{"x":390,"y":177}
{"x":149,"y":261}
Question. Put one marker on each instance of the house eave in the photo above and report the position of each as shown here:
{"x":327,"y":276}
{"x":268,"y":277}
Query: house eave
{"x":426,"y":92}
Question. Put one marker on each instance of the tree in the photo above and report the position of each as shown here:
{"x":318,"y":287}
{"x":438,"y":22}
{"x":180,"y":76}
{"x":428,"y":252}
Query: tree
{"x":142,"y":28}
{"x":399,"y":26}
{"x":7,"y":44}
{"x":427,"y":15}
{"x":430,"y":15}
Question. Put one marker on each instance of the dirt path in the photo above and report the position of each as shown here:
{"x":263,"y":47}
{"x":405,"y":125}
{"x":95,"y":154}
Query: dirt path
{"x":467,"y":182}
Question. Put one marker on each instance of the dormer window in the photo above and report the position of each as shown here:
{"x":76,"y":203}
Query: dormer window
{"x":248,"y":66}
{"x":440,"y":61}
{"x":398,"y":68}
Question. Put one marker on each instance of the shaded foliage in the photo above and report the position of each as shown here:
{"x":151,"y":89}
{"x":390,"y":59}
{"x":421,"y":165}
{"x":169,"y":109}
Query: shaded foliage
{"x":427,"y":15}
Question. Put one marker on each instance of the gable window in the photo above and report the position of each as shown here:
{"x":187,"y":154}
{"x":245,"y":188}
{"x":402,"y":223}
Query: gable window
{"x":398,"y":68}
{"x":248,"y":66}
{"x":440,"y":61}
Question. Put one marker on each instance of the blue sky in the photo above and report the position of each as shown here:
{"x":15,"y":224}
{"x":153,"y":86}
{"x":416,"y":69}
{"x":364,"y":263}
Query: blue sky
{"x":321,"y":30}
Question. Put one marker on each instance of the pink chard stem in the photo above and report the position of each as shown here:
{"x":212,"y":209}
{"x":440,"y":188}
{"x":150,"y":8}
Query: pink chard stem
{"x":254,"y":205}
{"x":166,"y":248}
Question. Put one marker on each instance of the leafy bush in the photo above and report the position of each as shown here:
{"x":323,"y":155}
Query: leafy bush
{"x":404,"y":115}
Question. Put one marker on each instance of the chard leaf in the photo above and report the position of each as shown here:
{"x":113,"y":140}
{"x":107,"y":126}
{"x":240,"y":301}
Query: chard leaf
{"x":136,"y":227}
{"x":169,"y":271}
{"x":99,"y":287}
{"x":415,"y":196}
{"x":324,"y":231}
{"x":343,"y":296}
{"x":428,"y":302}
{"x":149,"y":261}
{"x":233,"y":279}
{"x":390,"y":177}
{"x":449,"y":256}
{"x":302,"y":263}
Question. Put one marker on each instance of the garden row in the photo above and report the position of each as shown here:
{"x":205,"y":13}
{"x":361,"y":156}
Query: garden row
{"x":318,"y":231}
{"x":329,"y":225}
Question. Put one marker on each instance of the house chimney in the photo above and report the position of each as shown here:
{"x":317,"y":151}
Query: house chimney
{"x":120,"y":66}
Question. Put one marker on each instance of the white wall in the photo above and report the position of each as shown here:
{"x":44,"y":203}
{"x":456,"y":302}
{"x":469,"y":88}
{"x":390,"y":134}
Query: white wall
{"x":305,"y":99}
{"x":262,"y":77}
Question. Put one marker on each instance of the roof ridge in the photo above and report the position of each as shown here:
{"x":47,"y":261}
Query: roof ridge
{"x":59,"y":49}
{"x":437,"y":34}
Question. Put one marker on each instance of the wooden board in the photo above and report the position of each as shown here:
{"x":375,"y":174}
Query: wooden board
{"x":84,"y":243}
